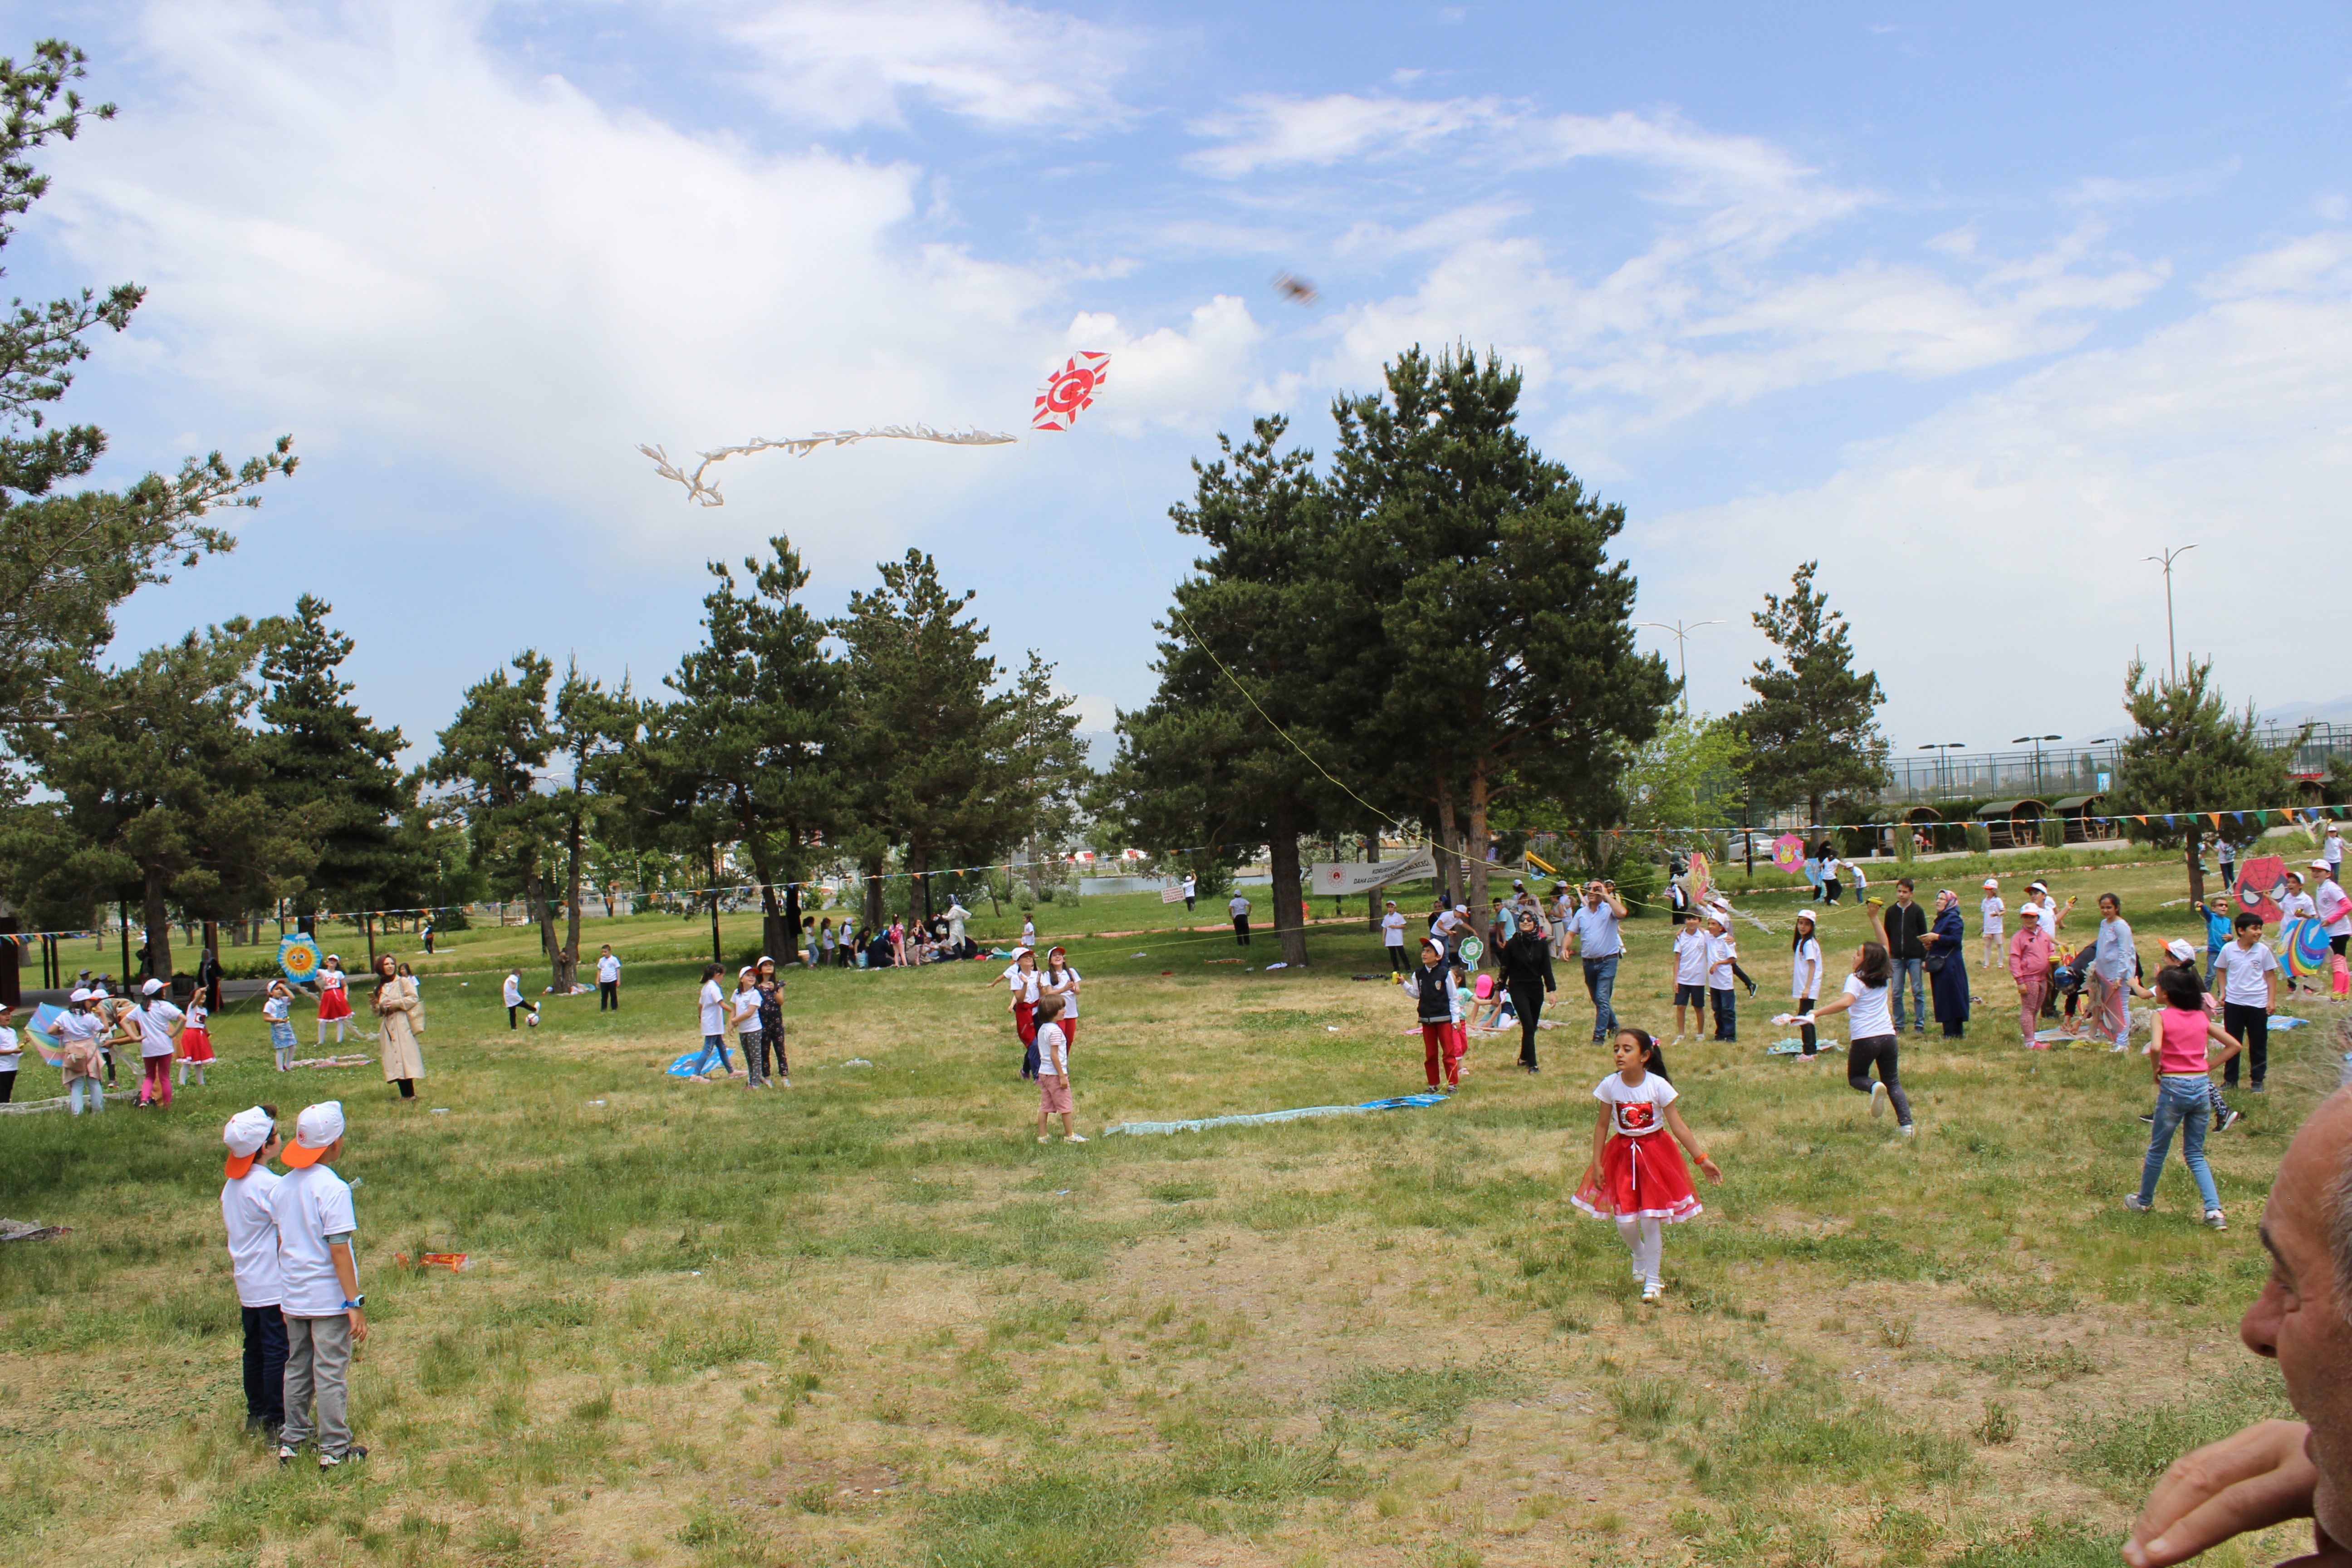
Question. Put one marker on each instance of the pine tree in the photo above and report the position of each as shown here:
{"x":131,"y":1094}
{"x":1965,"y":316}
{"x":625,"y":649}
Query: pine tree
{"x":326,"y":759}
{"x":495,"y":755}
{"x":2188,"y":754}
{"x":1812,"y":730}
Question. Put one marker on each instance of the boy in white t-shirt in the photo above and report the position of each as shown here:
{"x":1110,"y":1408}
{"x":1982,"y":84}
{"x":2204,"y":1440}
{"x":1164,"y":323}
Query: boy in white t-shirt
{"x":1722,"y":957}
{"x":608,"y":975}
{"x":1392,"y":938}
{"x":1690,"y":974}
{"x":2247,"y":972}
{"x":252,"y":1225}
{"x":517,"y":1004}
{"x":1996,"y":951}
{"x":319,"y":1290}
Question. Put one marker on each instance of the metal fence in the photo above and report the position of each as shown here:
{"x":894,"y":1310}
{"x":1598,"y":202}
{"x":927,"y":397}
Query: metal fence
{"x":2051,"y":772}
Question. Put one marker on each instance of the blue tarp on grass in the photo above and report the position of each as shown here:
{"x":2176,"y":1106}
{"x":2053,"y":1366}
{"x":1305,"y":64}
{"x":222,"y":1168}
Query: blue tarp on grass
{"x":1258,"y":1119}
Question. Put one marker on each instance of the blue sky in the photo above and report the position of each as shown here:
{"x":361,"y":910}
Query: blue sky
{"x":1977,"y":305}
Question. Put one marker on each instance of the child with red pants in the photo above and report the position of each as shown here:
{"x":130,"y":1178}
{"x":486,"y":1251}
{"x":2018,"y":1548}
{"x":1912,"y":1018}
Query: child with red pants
{"x":1439,"y":1004}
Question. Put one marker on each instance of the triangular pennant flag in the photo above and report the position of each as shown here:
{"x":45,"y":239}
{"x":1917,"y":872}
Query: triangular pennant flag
{"x":2168,"y":819}
{"x":2262,"y":819}
{"x":2217,"y":820}
{"x":2141,"y":820}
{"x":2239,"y":816}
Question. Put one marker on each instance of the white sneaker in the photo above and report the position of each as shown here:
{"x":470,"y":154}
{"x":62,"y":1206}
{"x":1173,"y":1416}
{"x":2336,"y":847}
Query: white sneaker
{"x":1877,"y":1098}
{"x":1075,"y":1138}
{"x":1043,"y":1139}
{"x":1653,"y":1290}
{"x":1909,"y":1130}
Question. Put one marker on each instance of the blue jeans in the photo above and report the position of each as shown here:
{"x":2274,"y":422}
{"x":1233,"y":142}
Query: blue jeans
{"x":1915,"y":970}
{"x":1727,"y":1012}
{"x":2184,"y":1100}
{"x":1601,"y":984}
{"x":713,"y":1044}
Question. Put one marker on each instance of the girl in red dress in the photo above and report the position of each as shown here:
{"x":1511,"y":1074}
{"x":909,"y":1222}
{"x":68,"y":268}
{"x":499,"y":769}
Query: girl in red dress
{"x":334,"y":1001}
{"x":195,"y":1040}
{"x":1638,"y":1177}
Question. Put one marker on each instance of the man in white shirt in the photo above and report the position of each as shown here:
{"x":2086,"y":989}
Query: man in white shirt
{"x":1392,"y":938}
{"x":159,"y":1032}
{"x":1239,"y":908}
{"x":1191,"y":888}
{"x":2247,"y":972}
{"x":608,"y":981}
{"x":252,"y":1139}
{"x":1594,"y":933}
{"x":319,"y":1290}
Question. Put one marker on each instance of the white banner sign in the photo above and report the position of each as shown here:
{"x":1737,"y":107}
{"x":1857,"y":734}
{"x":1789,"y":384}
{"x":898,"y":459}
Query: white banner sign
{"x":1332,"y":877}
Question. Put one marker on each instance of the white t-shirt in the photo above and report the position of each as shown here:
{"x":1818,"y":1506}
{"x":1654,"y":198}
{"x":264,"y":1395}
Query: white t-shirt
{"x":1445,"y":924}
{"x":253,"y":1236}
{"x":1071,"y":979}
{"x":311,"y":1205}
{"x":743,"y":1010}
{"x":1028,"y":933}
{"x":608,"y":969}
{"x":1805,"y":969}
{"x":2332,"y":851}
{"x":1023,"y":986}
{"x":1189,"y":888}
{"x":514,"y":991}
{"x":1832,"y":869}
{"x":1994,"y":907}
{"x":1635,"y":1111}
{"x":9,"y":1053}
{"x":1690,"y":957}
{"x":714,"y":1009}
{"x":1868,"y":1018}
{"x":2242,"y":968}
{"x":1596,"y":933}
{"x":155,"y":1021}
{"x":1563,"y":910}
{"x":2049,"y":907}
{"x":1721,"y":947}
{"x":277,"y":1008}
{"x":2294,"y":904}
{"x":1052,"y":1052}
{"x":1393,"y":929}
{"x":2333,"y":906}
{"x":1238,"y":907}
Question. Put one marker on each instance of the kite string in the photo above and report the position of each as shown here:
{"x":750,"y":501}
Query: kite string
{"x":1118,"y":452}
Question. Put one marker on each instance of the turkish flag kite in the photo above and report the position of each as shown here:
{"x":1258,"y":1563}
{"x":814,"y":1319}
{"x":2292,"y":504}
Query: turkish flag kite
{"x":1071,"y":389}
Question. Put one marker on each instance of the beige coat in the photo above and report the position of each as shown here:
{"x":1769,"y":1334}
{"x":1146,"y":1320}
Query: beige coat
{"x":402,"y":1012}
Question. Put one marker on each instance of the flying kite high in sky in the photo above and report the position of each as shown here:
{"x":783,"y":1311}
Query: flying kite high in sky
{"x":802,"y":446}
{"x":1071,"y":389}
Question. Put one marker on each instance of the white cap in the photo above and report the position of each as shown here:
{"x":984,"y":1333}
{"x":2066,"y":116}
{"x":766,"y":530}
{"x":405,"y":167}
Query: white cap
{"x":80,"y":993}
{"x":151,"y":987}
{"x":2180,"y":950}
{"x":2319,"y":865}
{"x":2037,"y":886}
{"x":2030,"y":912}
{"x":1993,"y":882}
{"x":247,"y":1130}
{"x":747,"y":969}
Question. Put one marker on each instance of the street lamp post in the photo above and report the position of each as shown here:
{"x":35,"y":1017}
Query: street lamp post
{"x":1943,"y":749}
{"x":2037,"y":740}
{"x":2171,"y":659}
{"x":1682,"y":663}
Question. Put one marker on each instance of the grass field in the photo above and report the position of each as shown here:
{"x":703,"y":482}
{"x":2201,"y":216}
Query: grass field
{"x":870,"y":1320}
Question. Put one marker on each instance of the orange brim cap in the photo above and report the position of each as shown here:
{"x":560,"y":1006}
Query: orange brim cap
{"x":236,"y":1165}
{"x":300,"y":1155}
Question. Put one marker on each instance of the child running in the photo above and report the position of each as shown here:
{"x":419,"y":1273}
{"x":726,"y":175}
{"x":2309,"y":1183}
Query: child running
{"x":334,"y":999}
{"x":1054,"y":1071}
{"x":195,"y":1040}
{"x":1871,"y":1032}
{"x":1437,"y":1002}
{"x":1636,"y":1177}
{"x":278,"y":1011}
{"x":1805,"y":980}
{"x":2184,"y":1090}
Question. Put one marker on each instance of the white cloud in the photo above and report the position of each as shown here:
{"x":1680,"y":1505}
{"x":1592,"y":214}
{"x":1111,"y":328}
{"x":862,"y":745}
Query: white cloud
{"x":1187,"y":378}
{"x":1954,"y":543}
{"x":1268,"y":130}
{"x":839,"y":66}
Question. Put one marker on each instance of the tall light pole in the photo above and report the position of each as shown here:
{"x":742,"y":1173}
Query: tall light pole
{"x":2172,"y":659}
{"x":2037,"y":740}
{"x":1682,"y":664}
{"x":1942,"y":749}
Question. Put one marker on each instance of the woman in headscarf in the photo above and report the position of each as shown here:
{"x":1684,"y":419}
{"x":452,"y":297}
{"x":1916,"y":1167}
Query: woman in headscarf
{"x":1526,"y":965}
{"x":1947,"y":956}
{"x":396,"y":1003}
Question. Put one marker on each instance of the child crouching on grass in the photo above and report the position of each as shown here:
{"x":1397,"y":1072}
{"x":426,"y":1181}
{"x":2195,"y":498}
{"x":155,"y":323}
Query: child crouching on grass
{"x":1053,"y":1070}
{"x":1636,"y":1177}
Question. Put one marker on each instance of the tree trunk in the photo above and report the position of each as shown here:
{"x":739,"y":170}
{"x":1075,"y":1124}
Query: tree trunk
{"x":159,"y":928}
{"x":1374,"y":898}
{"x":791,"y":920}
{"x":1448,"y":867}
{"x":540,"y":908}
{"x":1281,"y":860}
{"x":568,"y":969}
{"x":1029,"y":851}
{"x":2196,"y":868}
{"x":1476,"y":848}
{"x":716,"y":955}
{"x":776,"y":932}
{"x":872,"y":922}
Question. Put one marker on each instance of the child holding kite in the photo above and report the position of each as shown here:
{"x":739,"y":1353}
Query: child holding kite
{"x":1637,"y":1178}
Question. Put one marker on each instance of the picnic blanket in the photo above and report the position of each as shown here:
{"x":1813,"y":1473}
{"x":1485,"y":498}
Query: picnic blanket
{"x":1257,"y":1119}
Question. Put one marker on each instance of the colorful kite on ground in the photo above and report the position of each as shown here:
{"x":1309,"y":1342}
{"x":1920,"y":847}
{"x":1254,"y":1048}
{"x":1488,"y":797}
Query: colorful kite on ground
{"x":1071,"y":390}
{"x":802,"y":446}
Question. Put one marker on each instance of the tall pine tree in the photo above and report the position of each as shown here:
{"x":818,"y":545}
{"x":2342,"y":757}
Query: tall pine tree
{"x":329,"y":762}
{"x":2188,"y":754}
{"x":1812,"y":730}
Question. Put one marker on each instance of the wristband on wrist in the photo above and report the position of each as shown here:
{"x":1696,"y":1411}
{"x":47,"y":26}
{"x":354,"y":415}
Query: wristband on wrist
{"x":355,"y":1303}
